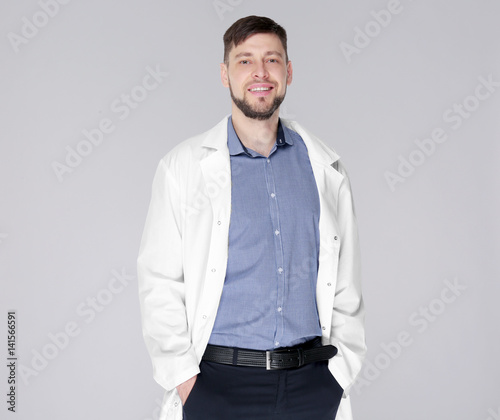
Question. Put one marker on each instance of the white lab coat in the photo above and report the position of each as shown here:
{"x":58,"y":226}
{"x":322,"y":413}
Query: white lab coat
{"x":183,"y":257}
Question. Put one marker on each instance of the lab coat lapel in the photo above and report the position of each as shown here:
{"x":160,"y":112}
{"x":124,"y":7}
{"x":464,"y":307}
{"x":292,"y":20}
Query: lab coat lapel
{"x":328,"y":179}
{"x":216,"y":169}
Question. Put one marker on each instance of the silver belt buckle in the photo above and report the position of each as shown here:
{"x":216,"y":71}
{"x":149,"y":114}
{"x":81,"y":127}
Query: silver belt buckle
{"x":268,"y":360}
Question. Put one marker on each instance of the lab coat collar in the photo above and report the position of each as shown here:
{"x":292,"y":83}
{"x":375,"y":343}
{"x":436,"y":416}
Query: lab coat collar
{"x":318,"y":152}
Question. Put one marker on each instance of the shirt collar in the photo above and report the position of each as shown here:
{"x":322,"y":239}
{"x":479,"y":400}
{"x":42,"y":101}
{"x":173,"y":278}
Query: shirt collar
{"x":236,"y":147}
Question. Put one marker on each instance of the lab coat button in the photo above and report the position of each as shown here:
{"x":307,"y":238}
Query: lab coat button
{"x":335,"y":237}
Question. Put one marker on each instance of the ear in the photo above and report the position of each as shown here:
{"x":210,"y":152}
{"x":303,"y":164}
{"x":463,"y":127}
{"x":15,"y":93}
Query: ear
{"x":289,"y":73}
{"x":223,"y":75}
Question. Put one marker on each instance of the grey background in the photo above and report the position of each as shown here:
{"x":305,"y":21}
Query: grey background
{"x":61,"y":240}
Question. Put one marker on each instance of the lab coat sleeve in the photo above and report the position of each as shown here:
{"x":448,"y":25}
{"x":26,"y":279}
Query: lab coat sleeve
{"x":161,"y":284}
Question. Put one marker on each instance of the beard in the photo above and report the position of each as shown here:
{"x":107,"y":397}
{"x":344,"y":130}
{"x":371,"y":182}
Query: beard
{"x":256,"y":114}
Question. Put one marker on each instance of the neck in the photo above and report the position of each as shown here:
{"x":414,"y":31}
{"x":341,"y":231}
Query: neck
{"x":258,"y":135}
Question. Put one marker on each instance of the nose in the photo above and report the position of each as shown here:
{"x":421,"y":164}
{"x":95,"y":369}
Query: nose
{"x":260,"y":71}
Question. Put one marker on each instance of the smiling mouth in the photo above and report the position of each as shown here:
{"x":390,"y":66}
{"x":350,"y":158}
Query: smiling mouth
{"x":260,"y":89}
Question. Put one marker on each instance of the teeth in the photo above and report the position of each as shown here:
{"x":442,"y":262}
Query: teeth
{"x":259,"y":89}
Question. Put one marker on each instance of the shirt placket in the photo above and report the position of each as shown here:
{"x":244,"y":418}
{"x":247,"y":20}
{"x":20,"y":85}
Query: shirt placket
{"x":278,"y":247}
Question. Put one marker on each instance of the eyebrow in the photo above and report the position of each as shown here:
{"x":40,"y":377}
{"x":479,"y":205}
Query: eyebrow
{"x":247,"y":54}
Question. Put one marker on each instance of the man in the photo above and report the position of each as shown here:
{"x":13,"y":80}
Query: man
{"x":249,"y":272}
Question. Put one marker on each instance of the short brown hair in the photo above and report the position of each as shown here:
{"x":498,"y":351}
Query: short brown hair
{"x":245,"y":27}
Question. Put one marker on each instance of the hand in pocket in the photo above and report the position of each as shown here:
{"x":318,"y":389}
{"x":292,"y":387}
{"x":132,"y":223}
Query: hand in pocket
{"x":185,"y":389}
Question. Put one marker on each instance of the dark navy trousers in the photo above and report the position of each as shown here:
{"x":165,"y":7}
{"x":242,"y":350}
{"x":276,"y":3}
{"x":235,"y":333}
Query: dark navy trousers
{"x":225,"y":392}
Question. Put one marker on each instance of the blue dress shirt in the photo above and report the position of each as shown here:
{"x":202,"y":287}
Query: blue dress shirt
{"x":269,"y":295}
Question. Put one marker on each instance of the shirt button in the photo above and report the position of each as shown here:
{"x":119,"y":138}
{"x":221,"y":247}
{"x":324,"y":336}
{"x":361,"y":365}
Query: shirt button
{"x":273,"y":195}
{"x":213,"y":270}
{"x":279,"y":308}
{"x":204,"y":317}
{"x":268,"y":161}
{"x":323,"y":328}
{"x":276,"y":343}
{"x":218,"y":222}
{"x":280,"y":270}
{"x":329,"y":284}
{"x":335,"y":238}
{"x":276,"y":232}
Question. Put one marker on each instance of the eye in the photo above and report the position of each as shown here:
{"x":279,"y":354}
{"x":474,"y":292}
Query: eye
{"x":273,"y":60}
{"x":244,"y":62}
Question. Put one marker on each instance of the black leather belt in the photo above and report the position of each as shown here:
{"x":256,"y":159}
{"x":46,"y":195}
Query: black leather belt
{"x":284,"y":358}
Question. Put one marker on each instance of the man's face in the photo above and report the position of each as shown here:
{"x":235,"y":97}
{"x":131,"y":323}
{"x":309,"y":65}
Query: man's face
{"x":257,"y":75}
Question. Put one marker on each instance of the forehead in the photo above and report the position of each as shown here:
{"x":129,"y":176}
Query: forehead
{"x":259,"y":43}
